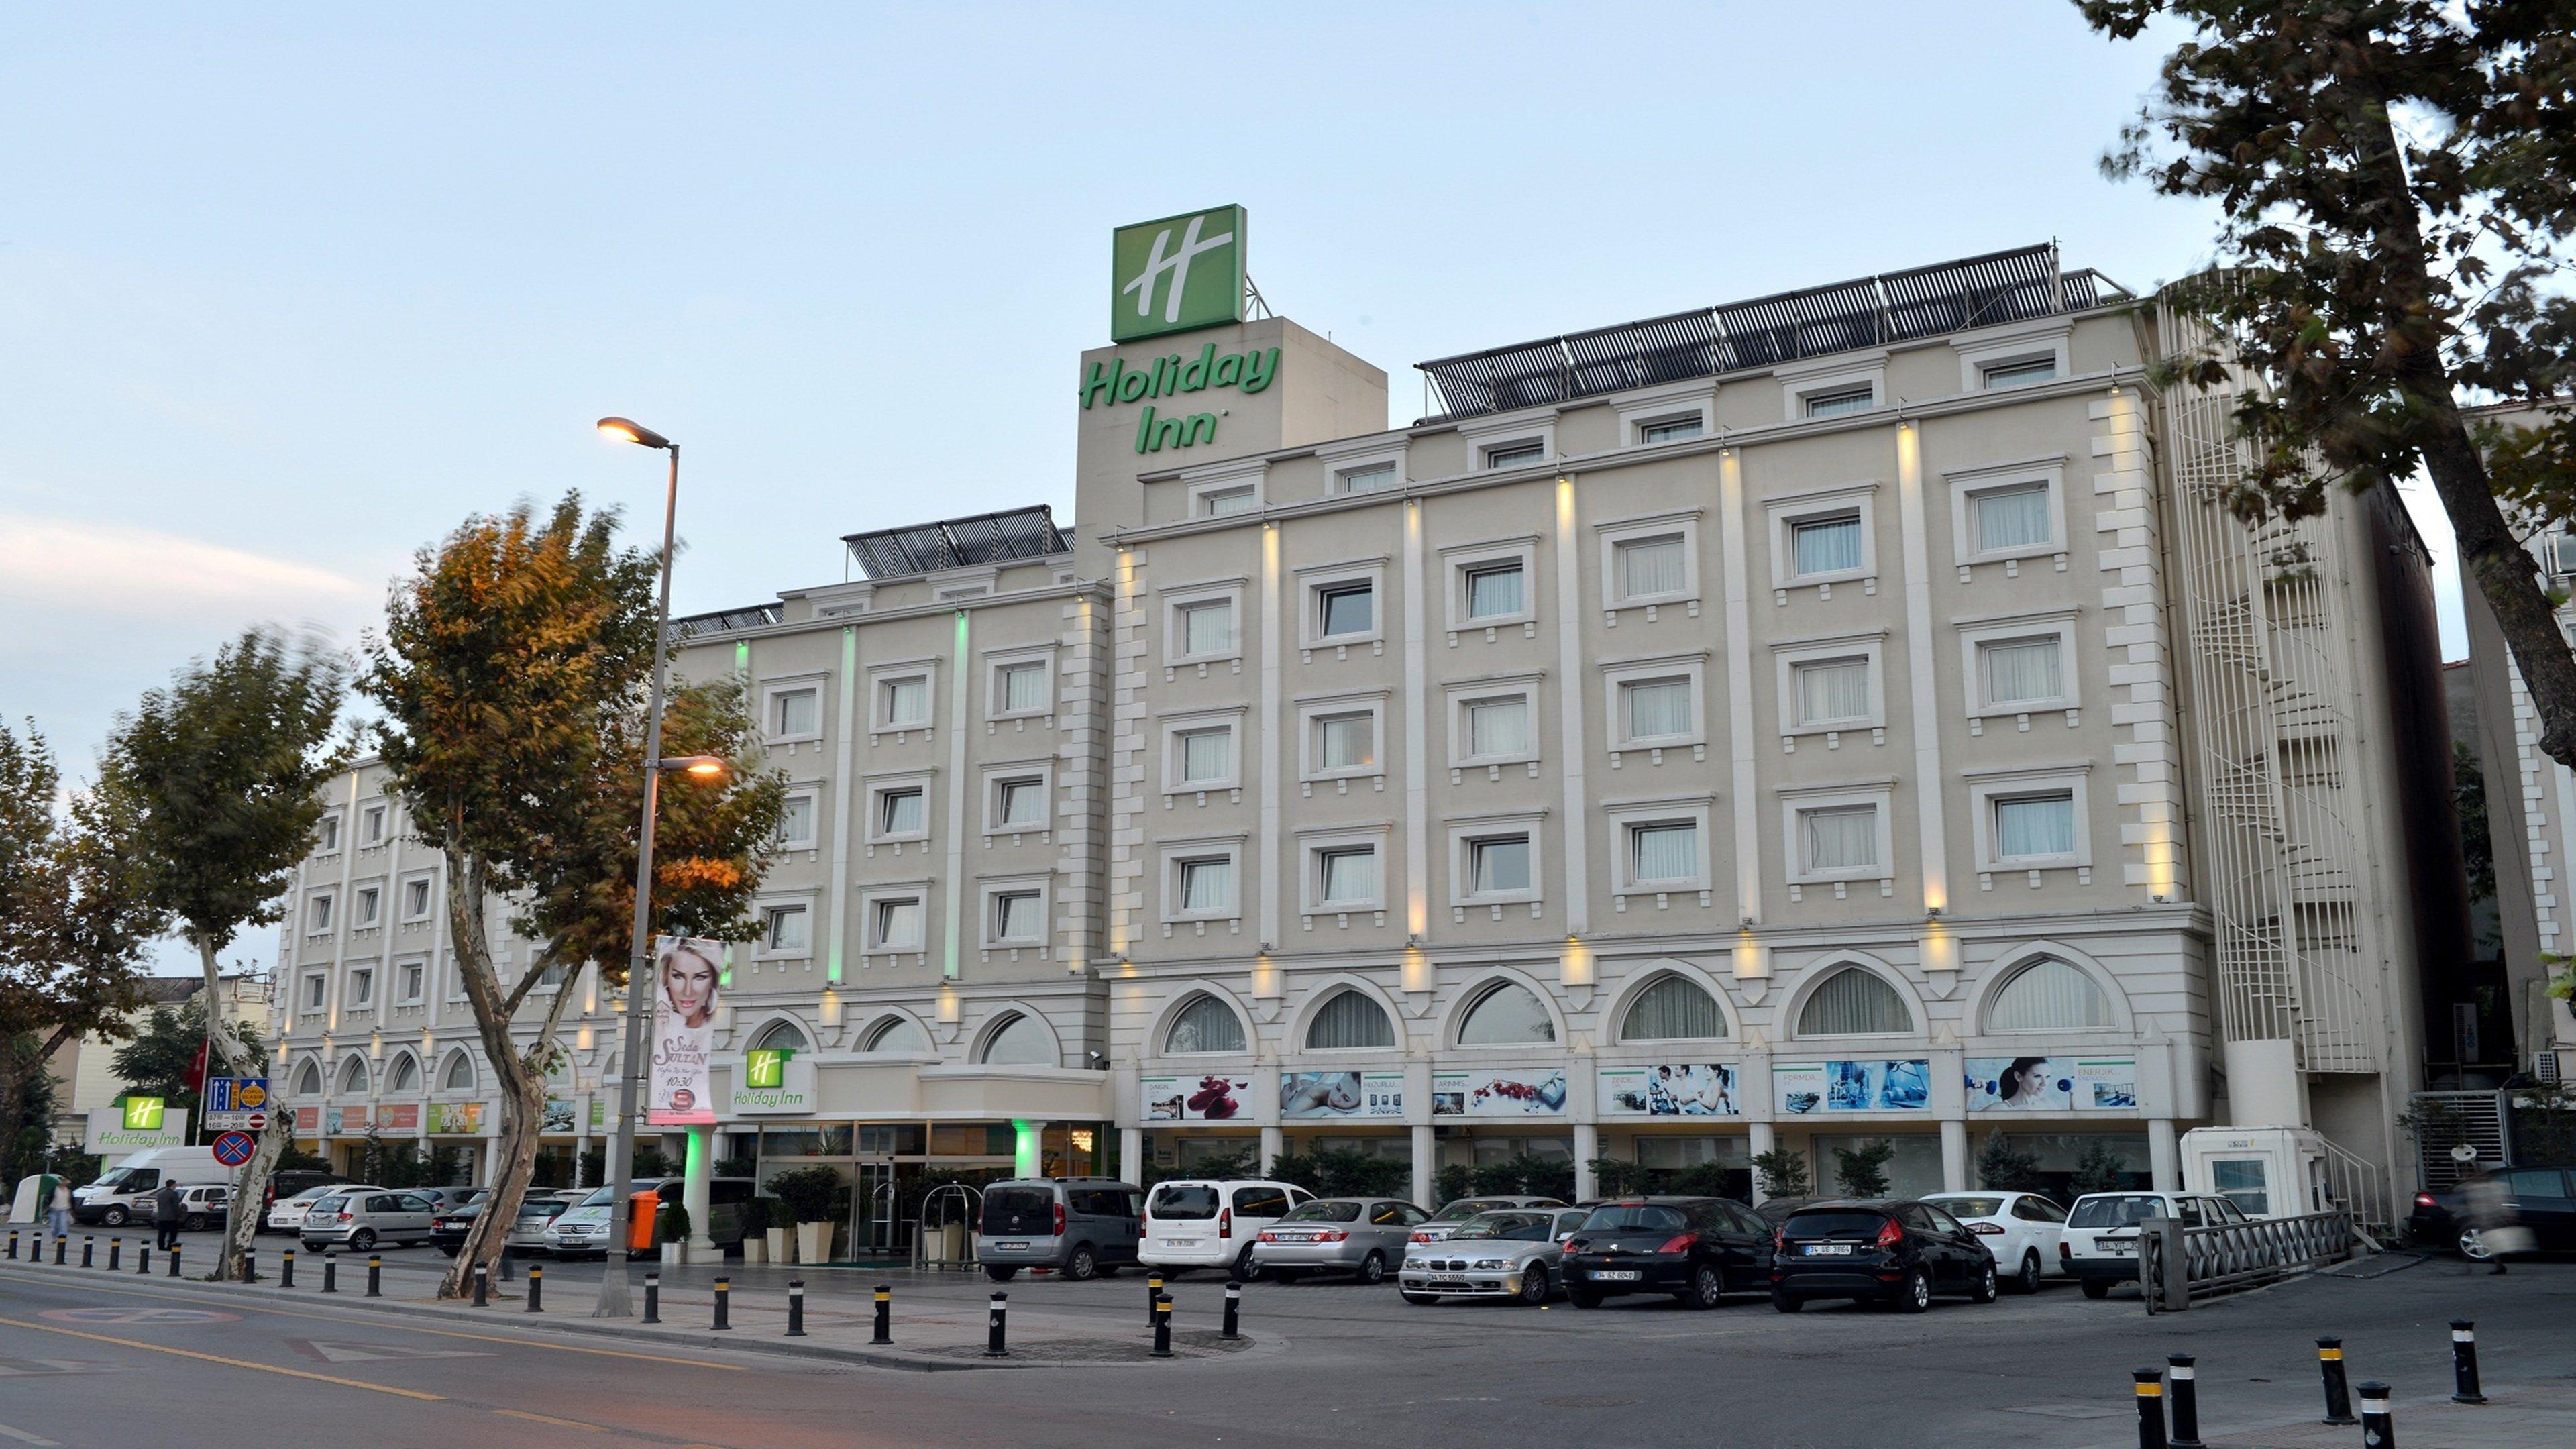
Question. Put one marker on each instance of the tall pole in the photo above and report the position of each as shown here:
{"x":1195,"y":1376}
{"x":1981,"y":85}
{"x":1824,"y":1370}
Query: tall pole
{"x":614,"y":1300}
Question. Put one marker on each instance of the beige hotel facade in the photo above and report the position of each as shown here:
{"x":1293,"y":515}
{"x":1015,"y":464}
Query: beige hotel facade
{"x":1842,"y":716}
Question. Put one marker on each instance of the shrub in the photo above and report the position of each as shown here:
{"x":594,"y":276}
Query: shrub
{"x":1622,"y":1179}
{"x":2098,"y":1170}
{"x":2003,"y":1167}
{"x":738,"y":1167}
{"x":1862,"y":1171}
{"x":1783,"y":1171}
{"x":754,"y":1215}
{"x":806,"y":1192}
{"x":1452,"y":1183}
{"x":1344,"y":1173}
{"x":671,"y":1225}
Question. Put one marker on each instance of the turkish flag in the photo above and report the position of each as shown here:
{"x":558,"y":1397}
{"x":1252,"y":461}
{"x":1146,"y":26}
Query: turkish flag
{"x":197,"y":1071}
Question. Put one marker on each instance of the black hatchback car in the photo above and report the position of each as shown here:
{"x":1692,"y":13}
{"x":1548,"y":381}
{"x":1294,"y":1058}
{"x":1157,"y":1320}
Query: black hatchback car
{"x":1882,"y":1250}
{"x":2540,"y":1200}
{"x":1698,"y":1249}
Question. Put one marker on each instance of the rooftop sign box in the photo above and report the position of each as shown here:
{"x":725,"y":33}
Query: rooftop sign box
{"x":1178,"y":274}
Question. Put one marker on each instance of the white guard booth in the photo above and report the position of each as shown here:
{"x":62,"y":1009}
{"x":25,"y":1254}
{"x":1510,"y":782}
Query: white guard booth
{"x":2268,"y":1172}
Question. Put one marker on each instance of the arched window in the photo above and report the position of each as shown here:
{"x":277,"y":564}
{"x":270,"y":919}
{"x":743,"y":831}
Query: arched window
{"x":1019,"y":1040}
{"x":308,"y":1082}
{"x":782,"y":1036}
{"x":460,"y":1073}
{"x":2049,"y":995}
{"x":1673,"y":1009}
{"x":1205,"y":1025}
{"x":1852,"y":1002}
{"x":406,"y":1077}
{"x":353,"y":1077}
{"x":1505,"y":1014}
{"x":897,"y":1034}
{"x":1350,"y":1019}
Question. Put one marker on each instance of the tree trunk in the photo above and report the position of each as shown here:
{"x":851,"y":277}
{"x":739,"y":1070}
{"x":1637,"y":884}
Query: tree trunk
{"x":250,"y":1186}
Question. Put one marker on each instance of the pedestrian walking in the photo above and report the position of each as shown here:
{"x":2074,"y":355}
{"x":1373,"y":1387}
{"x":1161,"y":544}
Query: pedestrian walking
{"x":166,"y":1213}
{"x":59,"y":1215}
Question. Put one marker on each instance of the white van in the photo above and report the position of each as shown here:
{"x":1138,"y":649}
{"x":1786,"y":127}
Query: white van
{"x":1200,"y":1223}
{"x":119,"y":1196}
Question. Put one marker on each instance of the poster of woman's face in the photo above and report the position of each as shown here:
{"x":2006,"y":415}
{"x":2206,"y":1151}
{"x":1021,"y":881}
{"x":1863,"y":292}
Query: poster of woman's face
{"x":688,"y":976}
{"x":2020,"y":1084}
{"x":684,"y":1008}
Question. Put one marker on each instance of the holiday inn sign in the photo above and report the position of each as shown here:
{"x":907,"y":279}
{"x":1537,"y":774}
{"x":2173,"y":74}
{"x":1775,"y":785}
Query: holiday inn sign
{"x":1179,"y":274}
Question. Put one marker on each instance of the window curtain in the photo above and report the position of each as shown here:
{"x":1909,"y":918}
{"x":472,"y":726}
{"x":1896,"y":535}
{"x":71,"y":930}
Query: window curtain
{"x":1207,"y":628}
{"x":795,"y":827}
{"x":1023,"y":803}
{"x":1498,"y":727}
{"x":1506,"y":1015}
{"x":898,"y":924}
{"x":1852,"y":1002}
{"x":2049,"y":995}
{"x":1350,"y":1021}
{"x":1024,"y":687}
{"x":1205,"y":1025}
{"x":2035,"y":826}
{"x":1019,"y":918}
{"x":796,"y":712}
{"x":1659,"y":707}
{"x":1348,"y":875}
{"x":1664,"y":852}
{"x":1651,"y":566}
{"x":2015,"y":518}
{"x":1673,"y":1010}
{"x":1369,"y":480}
{"x":1207,"y":754}
{"x":903,"y":812}
{"x":1830,"y":545}
{"x":1206,"y":885}
{"x":1833,"y":689}
{"x":1842,"y":839}
{"x":2023,"y":671}
{"x":1347,"y":742}
{"x":1502,"y":865}
{"x":1494,"y":592}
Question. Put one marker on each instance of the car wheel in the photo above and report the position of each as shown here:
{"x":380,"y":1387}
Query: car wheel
{"x":2095,"y":1288}
{"x":194,"y":1222}
{"x":114,"y":1217}
{"x":2473,"y":1246}
{"x":1422,"y":1298}
{"x":1986,"y":1290}
{"x":999,"y":1273}
{"x":1534,"y":1285}
{"x":1373,"y":1268}
{"x":1785,"y":1303}
{"x":2027,"y":1280}
{"x":1581,"y":1298}
{"x":1916,"y":1294}
{"x":361,"y":1240}
{"x":1246,"y":1270}
{"x":1707,"y":1287}
{"x":1083,"y":1266}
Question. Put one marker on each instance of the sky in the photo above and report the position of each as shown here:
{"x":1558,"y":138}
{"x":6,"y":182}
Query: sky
{"x":287,"y":292}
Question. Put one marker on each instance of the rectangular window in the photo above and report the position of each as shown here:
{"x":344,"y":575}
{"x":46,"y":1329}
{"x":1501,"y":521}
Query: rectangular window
{"x":1206,"y":885}
{"x":1206,"y":756}
{"x":1498,"y":727}
{"x":902,"y":812}
{"x":369,"y":900}
{"x":1021,"y":804}
{"x":898,"y":925}
{"x":2019,"y":374}
{"x":1023,"y":688}
{"x":1663,"y":853}
{"x":2022,"y":671}
{"x":906,"y":702}
{"x":1499,"y":864}
{"x":1346,"y":876}
{"x":1832,"y":689}
{"x":371,"y":825}
{"x":1207,"y":628}
{"x":1651,"y":567}
{"x":1658,"y":708}
{"x":1512,"y":455}
{"x":796,"y":822}
{"x":314,"y":987}
{"x":2010,"y":518}
{"x":796,"y":712}
{"x":1225,"y":502}
{"x":1495,"y":591}
{"x":327,"y":835}
{"x":1015,"y":916}
{"x":1345,"y":609}
{"x":414,"y":980}
{"x":2031,"y":826}
{"x":415,"y":899}
{"x":1840,"y":401}
{"x":782,"y":928}
{"x":1346,"y":741}
{"x":1669,"y":430}
{"x":1376,"y":478}
{"x":317,"y":914}
{"x":362,"y":988}
{"x":1825,"y":545}
{"x":1840,"y":839}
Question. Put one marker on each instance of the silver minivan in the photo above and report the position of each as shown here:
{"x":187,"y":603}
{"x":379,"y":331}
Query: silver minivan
{"x":1080,"y":1226}
{"x":359,"y":1221}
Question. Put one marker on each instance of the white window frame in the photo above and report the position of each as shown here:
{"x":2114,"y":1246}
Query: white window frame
{"x":1005,"y":772}
{"x":2047,"y":338}
{"x":770,"y":692}
{"x":1489,"y":436}
{"x":1459,"y":560}
{"x":1176,"y":639}
{"x":1311,"y":846}
{"x":895,"y":672}
{"x":1617,"y":675}
{"x":1626,"y":815}
{"x":1788,"y":654}
{"x":1987,"y":786}
{"x":1614,"y":532}
{"x":367,"y":909}
{"x":316,"y":997}
{"x":1788,"y":512}
{"x":1223,"y":479}
{"x":1795,"y":802}
{"x":1803,"y":383}
{"x":1641,"y":411}
{"x":872,"y":943}
{"x":1474,"y":691}
{"x":375,"y":823}
{"x":1466,"y":830}
{"x":2002,"y":629}
{"x":812,"y":795}
{"x":1312,"y":582}
{"x":1967,"y":485}
{"x":997,"y":661}
{"x":1206,"y":500}
{"x":806,"y":903}
{"x":874,"y":789}
{"x":327,"y":833}
{"x":1173,"y":726}
{"x":1312,"y":711}
{"x":404,"y":996}
{"x":1177,"y":852}
{"x":988,"y":896}
{"x":329,"y":897}
{"x":362,"y":985}
{"x":1345,"y":480}
{"x":428,"y":881}
{"x":1344,"y":461}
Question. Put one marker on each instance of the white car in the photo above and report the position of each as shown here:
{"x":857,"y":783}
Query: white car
{"x":286,"y":1215}
{"x":2100,"y":1248}
{"x":2022,"y":1230}
{"x":1205,"y":1224}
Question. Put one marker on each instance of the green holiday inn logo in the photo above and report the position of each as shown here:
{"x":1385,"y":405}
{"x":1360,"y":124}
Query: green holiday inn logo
{"x":1177,"y":274}
{"x":765,"y":1068}
{"x":142,"y":1114}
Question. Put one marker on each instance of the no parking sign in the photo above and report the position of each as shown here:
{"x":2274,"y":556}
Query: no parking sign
{"x":234,"y":1148}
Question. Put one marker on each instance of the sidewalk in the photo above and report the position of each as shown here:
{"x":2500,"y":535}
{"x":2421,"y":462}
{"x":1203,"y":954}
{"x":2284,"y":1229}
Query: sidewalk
{"x":2529,"y":1417}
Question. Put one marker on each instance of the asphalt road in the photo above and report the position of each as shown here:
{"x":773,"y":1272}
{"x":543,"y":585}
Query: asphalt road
{"x":87,"y":1360}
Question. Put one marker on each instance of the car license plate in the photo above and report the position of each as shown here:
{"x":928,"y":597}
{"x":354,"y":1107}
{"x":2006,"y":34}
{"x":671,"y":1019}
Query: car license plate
{"x":1449,"y":1285}
{"x":1010,"y":1247}
{"x":2115,"y":1245}
{"x":1617,"y":1275}
{"x":1828,"y":1250}
{"x":1293,"y":1237}
{"x":1176,"y":1242}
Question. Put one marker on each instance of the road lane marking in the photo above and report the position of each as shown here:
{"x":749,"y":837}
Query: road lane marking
{"x":266,"y":1368}
{"x":551,"y":1419}
{"x":23,"y":1437}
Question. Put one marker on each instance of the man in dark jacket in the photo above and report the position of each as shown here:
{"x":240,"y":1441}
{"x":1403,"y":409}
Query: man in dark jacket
{"x":167,"y":1210}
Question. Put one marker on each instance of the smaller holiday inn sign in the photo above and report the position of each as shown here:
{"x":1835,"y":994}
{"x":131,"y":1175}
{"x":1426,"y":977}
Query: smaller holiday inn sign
{"x":1180,"y":274}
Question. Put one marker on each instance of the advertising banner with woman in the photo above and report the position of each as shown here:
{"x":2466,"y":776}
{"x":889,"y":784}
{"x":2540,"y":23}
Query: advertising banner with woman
{"x":2052,"y":1084}
{"x":684,"y":1012}
{"x":1329,"y":1095}
{"x":1671,"y":1089}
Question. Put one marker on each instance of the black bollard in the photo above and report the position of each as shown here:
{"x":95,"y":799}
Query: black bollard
{"x":62,"y":1245}
{"x":2151,"y":1408}
{"x":1163,"y":1327}
{"x":174,"y":1260}
{"x":2185,"y":1392}
{"x":330,"y":1271}
{"x":1233,"y":1308}
{"x":1153,"y":1294}
{"x":724,"y":1292}
{"x":375,"y":1275}
{"x":286,"y":1268}
{"x":89,"y":1251}
{"x":2464,"y":1363}
{"x":115,"y":1255}
{"x":250,"y":1265}
{"x":536,"y":1289}
{"x":652,"y":1298}
{"x":142,"y":1259}
{"x":2338,"y":1397}
{"x":13,"y":1245}
{"x":885,"y":1314}
{"x":482,"y":1284}
{"x":795,"y":1308}
{"x":2378,"y":1426}
{"x":994,"y":1346}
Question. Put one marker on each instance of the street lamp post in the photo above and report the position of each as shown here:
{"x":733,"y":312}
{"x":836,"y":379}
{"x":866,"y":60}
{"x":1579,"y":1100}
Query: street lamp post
{"x":614,"y":1299}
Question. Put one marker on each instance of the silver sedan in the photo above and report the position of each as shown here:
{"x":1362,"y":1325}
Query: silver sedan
{"x":1514,"y":1253}
{"x":1362,"y":1236}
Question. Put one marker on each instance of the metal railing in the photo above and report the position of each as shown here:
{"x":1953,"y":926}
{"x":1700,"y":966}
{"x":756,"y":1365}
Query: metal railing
{"x":2234,"y":1255}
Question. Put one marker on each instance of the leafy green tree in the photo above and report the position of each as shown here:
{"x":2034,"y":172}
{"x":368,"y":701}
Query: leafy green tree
{"x":158,"y":1061}
{"x":2004,"y":1166}
{"x":1782,"y":1172}
{"x":513,"y":674}
{"x":1862,"y":1171}
{"x":1618,"y":1177}
{"x":27,"y":1132}
{"x":1450,"y":1183}
{"x":2393,"y":178}
{"x":2098,"y":1169}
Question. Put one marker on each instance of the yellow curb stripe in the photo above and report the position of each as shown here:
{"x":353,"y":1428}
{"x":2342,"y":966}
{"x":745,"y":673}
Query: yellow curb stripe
{"x":266,"y":1368}
{"x":550,"y":1419}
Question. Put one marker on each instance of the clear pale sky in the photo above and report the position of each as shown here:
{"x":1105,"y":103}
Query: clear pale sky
{"x":288,"y":291}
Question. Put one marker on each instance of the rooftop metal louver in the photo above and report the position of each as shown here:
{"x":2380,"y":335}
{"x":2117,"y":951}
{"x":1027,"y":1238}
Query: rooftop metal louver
{"x":719,"y":621}
{"x":951,"y":543}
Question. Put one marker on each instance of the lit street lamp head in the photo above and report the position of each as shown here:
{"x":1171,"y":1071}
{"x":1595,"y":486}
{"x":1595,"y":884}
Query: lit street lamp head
{"x":626,"y":431}
{"x":705,"y":767}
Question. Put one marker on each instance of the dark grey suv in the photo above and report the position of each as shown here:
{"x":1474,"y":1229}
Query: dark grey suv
{"x":1079,"y":1226}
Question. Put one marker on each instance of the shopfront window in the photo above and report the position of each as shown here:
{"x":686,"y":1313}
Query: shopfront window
{"x":830,"y":1141}
{"x":1914,"y":1170}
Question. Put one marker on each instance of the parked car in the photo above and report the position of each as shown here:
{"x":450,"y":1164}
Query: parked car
{"x":2100,"y":1246}
{"x":285,"y":1185}
{"x":449,"y":1199}
{"x":1200,"y":1223}
{"x":287,"y":1214}
{"x":1451,"y":1214}
{"x":1362,"y":1236}
{"x":202,"y":1207}
{"x":448,"y":1227}
{"x":1082,"y":1227}
{"x":1778,"y":1210}
{"x":1514,"y":1253}
{"x":581,"y":1231}
{"x":2538,"y":1199}
{"x":362,"y":1219}
{"x":1698,"y":1249}
{"x":121,"y":1194}
{"x":2021,"y":1229}
{"x":1887,"y":1250}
